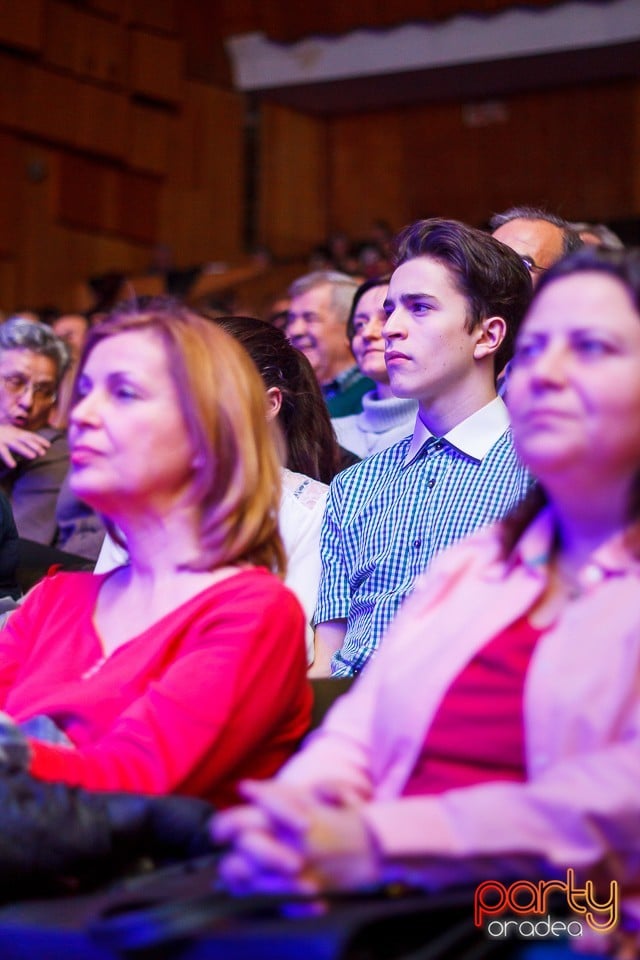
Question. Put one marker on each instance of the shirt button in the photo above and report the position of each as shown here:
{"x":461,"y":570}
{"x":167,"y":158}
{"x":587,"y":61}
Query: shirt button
{"x":417,"y":543}
{"x":431,"y":484}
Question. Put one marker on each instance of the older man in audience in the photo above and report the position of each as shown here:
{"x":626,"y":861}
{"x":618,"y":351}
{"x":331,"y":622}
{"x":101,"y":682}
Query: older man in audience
{"x":453,"y":306}
{"x":597,"y":235}
{"x":317,"y":326}
{"x":538,"y":237}
{"x":35,"y":455}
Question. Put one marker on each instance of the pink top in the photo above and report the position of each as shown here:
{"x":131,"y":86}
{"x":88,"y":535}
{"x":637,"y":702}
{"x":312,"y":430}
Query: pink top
{"x":477,"y":733}
{"x":212,"y":692}
{"x":580,"y":803}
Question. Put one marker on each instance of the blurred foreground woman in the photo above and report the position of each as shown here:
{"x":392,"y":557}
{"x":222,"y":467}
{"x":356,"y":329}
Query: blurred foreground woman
{"x":184,"y":670}
{"x":497,"y":733}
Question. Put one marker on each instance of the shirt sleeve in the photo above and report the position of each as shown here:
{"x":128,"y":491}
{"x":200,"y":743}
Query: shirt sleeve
{"x":239,"y":679}
{"x":35,"y":489}
{"x":334,"y":594}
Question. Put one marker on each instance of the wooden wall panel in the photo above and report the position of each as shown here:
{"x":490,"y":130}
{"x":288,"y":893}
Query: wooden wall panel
{"x":287,"y":22}
{"x":99,"y":163}
{"x":87,"y":191}
{"x":570,"y":150}
{"x":101,"y":121}
{"x":159,"y":14}
{"x":85,"y":44}
{"x":21,"y":23}
{"x":293,"y":189}
{"x":60,"y":108}
{"x":137,"y":209}
{"x":8,"y":287}
{"x":12,"y":79}
{"x":116,"y":9}
{"x":10,"y":175}
{"x":148,"y":138}
{"x":202,"y":198}
{"x":156,"y":66}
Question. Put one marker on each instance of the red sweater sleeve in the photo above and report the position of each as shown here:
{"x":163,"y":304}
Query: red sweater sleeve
{"x":229,"y":699}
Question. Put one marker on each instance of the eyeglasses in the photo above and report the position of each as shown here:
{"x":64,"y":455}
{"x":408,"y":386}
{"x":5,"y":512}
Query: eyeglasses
{"x":15,"y":384}
{"x":531,"y":265}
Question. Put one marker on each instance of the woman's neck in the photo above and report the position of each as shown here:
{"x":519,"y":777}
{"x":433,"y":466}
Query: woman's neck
{"x":586,"y":522}
{"x":161,"y":544}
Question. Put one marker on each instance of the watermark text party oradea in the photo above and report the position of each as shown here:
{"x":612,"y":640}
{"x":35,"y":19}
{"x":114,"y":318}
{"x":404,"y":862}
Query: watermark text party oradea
{"x":522,"y":909}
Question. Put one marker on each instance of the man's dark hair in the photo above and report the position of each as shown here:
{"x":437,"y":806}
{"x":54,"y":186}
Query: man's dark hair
{"x":491,"y":276}
{"x":570,"y":238}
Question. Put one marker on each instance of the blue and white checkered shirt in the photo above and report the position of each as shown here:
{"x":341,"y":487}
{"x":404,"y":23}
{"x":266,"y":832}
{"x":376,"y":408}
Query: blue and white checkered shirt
{"x":388,"y":516}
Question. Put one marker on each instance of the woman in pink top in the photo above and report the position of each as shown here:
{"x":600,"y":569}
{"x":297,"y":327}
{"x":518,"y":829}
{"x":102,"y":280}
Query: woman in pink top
{"x":497,"y":732}
{"x":184,"y":670}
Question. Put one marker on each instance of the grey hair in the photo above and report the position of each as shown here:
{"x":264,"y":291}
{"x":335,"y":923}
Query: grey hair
{"x":343,"y":288}
{"x":16,"y":333}
{"x":605,"y":234}
{"x":570,"y":239}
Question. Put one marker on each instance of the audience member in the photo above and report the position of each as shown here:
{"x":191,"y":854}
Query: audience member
{"x":597,"y":235}
{"x":311,"y":457}
{"x":317,"y":326}
{"x":385,"y":418}
{"x":454,"y":303}
{"x":72,"y":329}
{"x":538,"y":237}
{"x":342,"y":252}
{"x":33,"y":361}
{"x":498,"y":732}
{"x":184,"y":669}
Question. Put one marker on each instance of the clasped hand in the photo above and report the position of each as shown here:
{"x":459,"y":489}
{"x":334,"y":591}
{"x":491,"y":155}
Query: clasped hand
{"x":293,"y":839}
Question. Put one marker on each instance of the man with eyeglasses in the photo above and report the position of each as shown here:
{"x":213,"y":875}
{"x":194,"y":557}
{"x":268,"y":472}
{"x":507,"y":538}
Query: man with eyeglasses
{"x":538,"y":237}
{"x":35,"y":456}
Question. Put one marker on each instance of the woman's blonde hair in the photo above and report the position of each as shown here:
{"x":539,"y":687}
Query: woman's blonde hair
{"x":236,"y":481}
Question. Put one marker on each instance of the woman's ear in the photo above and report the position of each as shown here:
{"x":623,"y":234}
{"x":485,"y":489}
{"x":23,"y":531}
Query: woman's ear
{"x":274,"y":402}
{"x":491,"y":332}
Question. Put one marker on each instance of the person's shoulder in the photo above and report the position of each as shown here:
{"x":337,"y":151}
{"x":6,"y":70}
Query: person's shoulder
{"x":253,"y":595}
{"x":303,"y":491}
{"x":377,"y":463}
{"x":251,"y":582}
{"x":56,"y":436}
{"x":62,"y":588}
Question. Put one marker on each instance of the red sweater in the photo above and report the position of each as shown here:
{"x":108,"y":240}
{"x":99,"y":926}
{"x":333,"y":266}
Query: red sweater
{"x":213,"y":692}
{"x":477,"y":733}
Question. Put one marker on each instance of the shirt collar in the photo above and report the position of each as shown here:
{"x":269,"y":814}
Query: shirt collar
{"x":342,"y":381}
{"x":474,"y":436}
